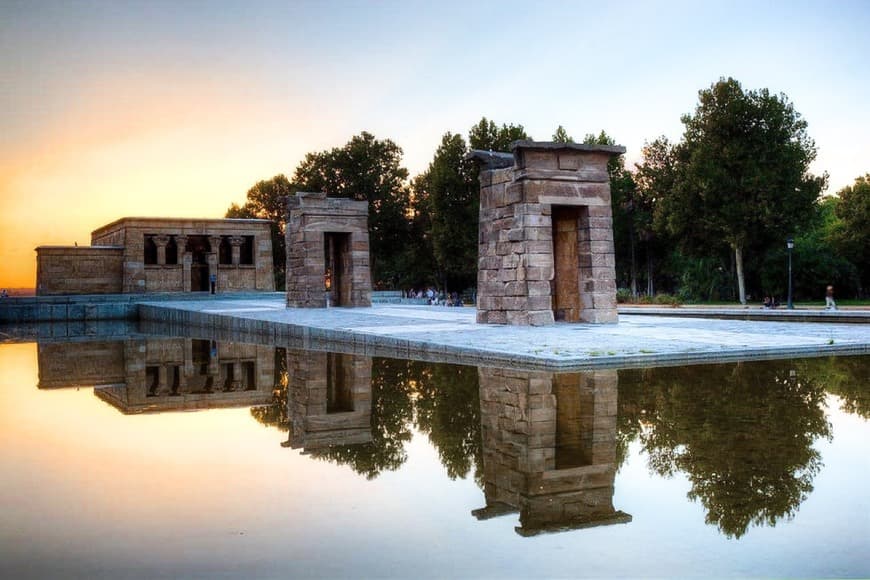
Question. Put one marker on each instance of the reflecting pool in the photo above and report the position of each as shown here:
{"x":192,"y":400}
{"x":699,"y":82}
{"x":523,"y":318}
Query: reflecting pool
{"x":142,"y":456}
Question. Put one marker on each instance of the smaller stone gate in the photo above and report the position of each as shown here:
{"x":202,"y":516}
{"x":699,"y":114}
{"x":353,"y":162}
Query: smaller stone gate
{"x":546,"y":234}
{"x":327,"y":252}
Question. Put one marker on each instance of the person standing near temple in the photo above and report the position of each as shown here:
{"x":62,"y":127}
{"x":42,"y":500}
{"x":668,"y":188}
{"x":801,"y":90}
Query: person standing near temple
{"x":829,"y":299}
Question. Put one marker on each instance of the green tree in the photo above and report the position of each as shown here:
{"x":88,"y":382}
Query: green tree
{"x":368,"y":169}
{"x":654,"y":179}
{"x":561,"y":135}
{"x":449,"y":192}
{"x":744,"y":178}
{"x":853,"y":238}
{"x":267,"y":199}
{"x":817,"y":261}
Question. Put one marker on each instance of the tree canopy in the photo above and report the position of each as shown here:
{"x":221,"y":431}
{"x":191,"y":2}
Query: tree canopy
{"x":367,"y":169}
{"x":853,"y":237}
{"x":744,"y":175}
{"x":488,"y":136}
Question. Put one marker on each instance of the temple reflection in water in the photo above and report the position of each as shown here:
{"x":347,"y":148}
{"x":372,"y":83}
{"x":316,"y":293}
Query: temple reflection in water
{"x":543,"y":445}
{"x":140,"y":375}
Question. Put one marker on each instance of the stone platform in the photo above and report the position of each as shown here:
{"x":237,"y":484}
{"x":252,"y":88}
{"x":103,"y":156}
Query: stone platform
{"x":452,"y":335}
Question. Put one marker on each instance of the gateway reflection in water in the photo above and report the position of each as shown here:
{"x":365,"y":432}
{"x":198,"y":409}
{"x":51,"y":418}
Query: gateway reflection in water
{"x":550,"y":451}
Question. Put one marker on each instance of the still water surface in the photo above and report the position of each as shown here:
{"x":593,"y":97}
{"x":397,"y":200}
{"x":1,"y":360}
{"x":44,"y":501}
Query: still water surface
{"x":302,"y":464}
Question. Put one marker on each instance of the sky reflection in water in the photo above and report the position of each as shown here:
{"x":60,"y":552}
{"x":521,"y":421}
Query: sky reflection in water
{"x":380,"y":467}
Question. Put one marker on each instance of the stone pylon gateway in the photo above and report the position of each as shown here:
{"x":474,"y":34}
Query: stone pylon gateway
{"x":546,"y":234}
{"x":327,"y":252}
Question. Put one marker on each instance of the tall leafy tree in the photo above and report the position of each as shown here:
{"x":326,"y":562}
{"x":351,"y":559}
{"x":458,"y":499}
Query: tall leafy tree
{"x":368,"y":169}
{"x":853,"y":238}
{"x":654,"y":178}
{"x":449,"y":192}
{"x":745,"y":177}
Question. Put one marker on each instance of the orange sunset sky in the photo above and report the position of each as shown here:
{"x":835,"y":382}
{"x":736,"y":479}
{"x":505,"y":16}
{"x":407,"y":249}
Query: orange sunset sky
{"x":113,"y":109}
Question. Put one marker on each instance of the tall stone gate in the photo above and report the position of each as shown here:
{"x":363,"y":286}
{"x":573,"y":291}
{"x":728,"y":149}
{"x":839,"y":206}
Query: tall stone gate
{"x":546,"y":235}
{"x":327,"y":252}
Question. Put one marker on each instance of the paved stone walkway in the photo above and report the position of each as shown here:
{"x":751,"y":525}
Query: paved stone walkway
{"x":452,"y":332}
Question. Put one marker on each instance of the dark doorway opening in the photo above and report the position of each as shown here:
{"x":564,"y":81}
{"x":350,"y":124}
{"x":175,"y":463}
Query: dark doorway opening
{"x":574,"y":421}
{"x":337,"y":272}
{"x":566,"y":261}
{"x":339,"y":394}
{"x":199,"y":248}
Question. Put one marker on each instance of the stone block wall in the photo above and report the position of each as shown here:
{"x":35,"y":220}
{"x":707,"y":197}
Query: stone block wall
{"x":78,"y":270}
{"x":546,"y":235}
{"x":313,"y":216}
{"x":549,"y":447}
{"x":80,"y":364}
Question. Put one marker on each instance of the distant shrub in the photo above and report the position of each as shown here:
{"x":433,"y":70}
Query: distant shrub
{"x":623,"y":295}
{"x":667,"y":299}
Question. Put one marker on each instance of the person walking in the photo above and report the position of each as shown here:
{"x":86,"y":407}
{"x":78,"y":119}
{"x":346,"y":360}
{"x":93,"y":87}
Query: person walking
{"x":829,"y":299}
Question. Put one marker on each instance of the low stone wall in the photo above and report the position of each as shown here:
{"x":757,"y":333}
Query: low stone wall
{"x":62,"y":270}
{"x":90,"y":308}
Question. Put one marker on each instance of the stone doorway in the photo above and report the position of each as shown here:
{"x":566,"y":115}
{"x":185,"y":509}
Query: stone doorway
{"x":336,"y":248}
{"x":199,"y":249}
{"x":327,"y":252}
{"x":566,"y":262}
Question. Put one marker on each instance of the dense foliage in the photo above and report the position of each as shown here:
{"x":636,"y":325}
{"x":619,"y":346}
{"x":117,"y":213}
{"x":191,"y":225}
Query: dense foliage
{"x":704,"y":219}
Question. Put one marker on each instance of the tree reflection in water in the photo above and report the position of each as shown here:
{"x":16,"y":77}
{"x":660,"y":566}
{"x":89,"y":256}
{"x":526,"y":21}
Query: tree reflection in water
{"x":440,"y":400}
{"x":742,"y":433}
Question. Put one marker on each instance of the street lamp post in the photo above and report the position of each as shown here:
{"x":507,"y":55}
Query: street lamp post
{"x":790,"y":245}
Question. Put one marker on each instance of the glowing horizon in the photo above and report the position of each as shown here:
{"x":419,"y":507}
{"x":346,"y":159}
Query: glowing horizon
{"x":161,"y":110}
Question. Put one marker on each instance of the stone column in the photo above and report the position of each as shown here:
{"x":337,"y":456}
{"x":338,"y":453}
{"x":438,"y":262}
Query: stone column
{"x":161,"y":380}
{"x":235,"y":382}
{"x":236,"y":243}
{"x":182,"y":376}
{"x":214,"y":365}
{"x":161,"y":241}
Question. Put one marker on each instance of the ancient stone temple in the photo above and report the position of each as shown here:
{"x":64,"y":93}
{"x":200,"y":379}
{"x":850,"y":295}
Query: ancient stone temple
{"x":327,"y":252}
{"x":549,"y":448}
{"x":141,"y":255}
{"x":546,"y":235}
